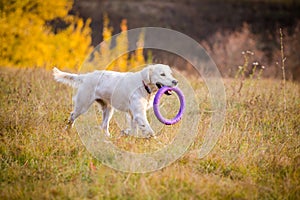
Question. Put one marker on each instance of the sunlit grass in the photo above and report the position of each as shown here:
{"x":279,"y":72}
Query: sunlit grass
{"x":257,"y":156}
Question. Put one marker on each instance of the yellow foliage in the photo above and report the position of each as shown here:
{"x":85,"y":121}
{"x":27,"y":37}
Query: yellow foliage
{"x":105,"y":45}
{"x":107,"y":30}
{"x":121,"y":46}
{"x":106,"y":57}
{"x":27,"y":39}
{"x":138,"y":54}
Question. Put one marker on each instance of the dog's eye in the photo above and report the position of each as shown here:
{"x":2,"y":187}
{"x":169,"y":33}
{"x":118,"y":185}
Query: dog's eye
{"x":163,"y":74}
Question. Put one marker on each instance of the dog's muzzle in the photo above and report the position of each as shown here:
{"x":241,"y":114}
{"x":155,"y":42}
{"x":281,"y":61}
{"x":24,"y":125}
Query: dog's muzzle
{"x":168,"y":92}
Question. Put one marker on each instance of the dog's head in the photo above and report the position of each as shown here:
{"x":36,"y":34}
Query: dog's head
{"x":159,"y":75}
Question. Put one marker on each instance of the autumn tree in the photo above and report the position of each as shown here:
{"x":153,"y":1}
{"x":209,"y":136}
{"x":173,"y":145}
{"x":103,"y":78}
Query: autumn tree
{"x":30,"y":36}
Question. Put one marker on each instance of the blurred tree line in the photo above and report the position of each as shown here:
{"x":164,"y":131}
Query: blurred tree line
{"x":116,"y":56}
{"x":37,"y":33}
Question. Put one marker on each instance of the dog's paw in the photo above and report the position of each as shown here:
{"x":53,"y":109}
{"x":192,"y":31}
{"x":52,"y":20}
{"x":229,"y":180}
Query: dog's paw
{"x":126,"y":132}
{"x":68,"y":127}
{"x":107,"y":134}
{"x":148,"y":134}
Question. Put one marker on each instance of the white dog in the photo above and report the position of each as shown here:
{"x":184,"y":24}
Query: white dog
{"x":130,"y":92}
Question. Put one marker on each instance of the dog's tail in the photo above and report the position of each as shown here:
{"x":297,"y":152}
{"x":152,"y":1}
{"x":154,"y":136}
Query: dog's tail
{"x":73,"y":80}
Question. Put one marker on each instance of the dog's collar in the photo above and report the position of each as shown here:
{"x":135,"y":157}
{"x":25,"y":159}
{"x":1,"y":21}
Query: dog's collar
{"x":147,"y":88}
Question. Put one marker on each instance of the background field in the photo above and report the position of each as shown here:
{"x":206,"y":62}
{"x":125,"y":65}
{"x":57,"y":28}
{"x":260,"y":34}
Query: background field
{"x":257,"y":156}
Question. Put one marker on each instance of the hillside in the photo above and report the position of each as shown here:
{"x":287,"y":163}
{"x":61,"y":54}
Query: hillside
{"x":198,"y":19}
{"x":225,"y":28}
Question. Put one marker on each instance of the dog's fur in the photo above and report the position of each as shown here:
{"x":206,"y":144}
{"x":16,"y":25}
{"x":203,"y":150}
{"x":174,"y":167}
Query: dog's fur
{"x":130,"y":92}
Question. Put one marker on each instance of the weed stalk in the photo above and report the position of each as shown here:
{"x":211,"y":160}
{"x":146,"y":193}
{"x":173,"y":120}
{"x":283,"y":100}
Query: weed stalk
{"x":283,"y":59}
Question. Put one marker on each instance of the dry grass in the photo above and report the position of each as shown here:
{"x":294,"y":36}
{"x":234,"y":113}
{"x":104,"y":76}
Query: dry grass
{"x":257,"y":157}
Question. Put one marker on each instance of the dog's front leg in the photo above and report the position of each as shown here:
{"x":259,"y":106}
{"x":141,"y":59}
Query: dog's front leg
{"x":140,"y":119}
{"x":138,"y":107}
{"x":131,"y":126}
{"x":144,"y":125}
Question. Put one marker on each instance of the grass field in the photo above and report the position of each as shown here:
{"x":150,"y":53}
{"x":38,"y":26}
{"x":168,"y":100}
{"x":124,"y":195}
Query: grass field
{"x":257,"y":156}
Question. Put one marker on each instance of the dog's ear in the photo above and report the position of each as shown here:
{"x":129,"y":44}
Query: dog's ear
{"x":146,"y":73}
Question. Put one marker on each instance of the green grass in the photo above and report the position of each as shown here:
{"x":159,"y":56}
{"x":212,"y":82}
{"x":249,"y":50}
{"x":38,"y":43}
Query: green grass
{"x":257,"y":156}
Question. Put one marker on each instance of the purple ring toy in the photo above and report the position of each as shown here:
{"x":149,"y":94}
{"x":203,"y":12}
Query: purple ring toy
{"x":157,"y":97}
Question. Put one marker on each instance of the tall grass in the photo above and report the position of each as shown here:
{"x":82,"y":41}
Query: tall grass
{"x":257,"y":156}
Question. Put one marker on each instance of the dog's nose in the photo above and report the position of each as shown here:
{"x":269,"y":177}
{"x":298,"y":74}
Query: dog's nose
{"x":174,"y":82}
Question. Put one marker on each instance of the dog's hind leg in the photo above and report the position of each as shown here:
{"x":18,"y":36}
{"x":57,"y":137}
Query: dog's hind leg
{"x":77,"y":112}
{"x":107,"y":112}
{"x":81,"y":104}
